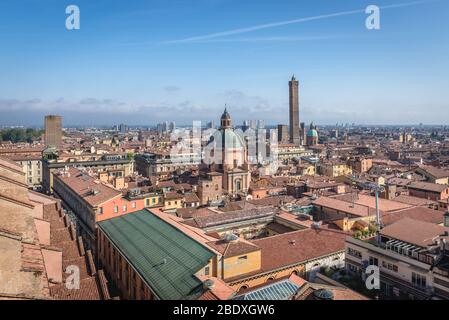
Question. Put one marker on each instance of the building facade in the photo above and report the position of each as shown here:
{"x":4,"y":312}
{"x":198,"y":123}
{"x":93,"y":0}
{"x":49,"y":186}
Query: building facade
{"x":411,"y":256}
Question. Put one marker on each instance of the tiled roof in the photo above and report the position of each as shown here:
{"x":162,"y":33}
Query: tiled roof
{"x":415,"y":232}
{"x":435,"y":172}
{"x":165,"y":257}
{"x":427,"y":186}
{"x":279,"y":228}
{"x":344,"y":207}
{"x":191,"y":197}
{"x":187,"y":213}
{"x":272,"y":201}
{"x":87,"y":187}
{"x":88,"y":291}
{"x":370,"y":201}
{"x":231,"y":217}
{"x":413,"y":200}
{"x":417,"y":213}
{"x":298,"y":246}
{"x":232,"y":249}
{"x":338,"y":293}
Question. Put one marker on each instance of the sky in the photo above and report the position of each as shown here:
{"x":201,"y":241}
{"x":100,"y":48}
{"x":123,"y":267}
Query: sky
{"x":141,"y":62}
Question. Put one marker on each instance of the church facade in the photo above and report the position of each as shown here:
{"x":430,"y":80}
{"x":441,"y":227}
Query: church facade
{"x":226,"y":153}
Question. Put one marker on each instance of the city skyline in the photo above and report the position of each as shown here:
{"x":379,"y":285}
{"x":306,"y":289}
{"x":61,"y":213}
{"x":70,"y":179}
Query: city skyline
{"x":127,"y":64}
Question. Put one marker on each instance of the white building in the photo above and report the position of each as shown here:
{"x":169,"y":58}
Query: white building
{"x":412,"y":256}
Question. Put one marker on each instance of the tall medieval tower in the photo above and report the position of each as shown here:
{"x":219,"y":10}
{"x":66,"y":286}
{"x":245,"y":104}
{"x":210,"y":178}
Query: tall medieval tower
{"x":294,"y":111}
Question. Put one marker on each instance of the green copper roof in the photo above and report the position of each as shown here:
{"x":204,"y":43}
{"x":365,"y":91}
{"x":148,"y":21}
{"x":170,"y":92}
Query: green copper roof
{"x":312,"y":133}
{"x":165,"y":257}
{"x":227,"y":138}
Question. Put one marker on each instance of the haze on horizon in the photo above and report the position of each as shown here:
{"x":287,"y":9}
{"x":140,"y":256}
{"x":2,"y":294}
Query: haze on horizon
{"x":142,"y":62}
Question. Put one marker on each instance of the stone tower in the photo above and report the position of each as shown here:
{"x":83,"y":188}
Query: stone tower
{"x":294,"y":111}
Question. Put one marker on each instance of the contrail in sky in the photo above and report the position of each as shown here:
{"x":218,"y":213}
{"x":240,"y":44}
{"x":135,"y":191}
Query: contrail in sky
{"x":288,"y":22}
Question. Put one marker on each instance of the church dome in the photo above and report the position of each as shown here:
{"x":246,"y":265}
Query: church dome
{"x":226,"y":138}
{"x":225,"y":115}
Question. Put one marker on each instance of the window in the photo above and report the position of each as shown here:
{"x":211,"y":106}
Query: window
{"x":373,"y":261}
{"x":242,"y":258}
{"x":207,"y":271}
{"x":133,"y":205}
{"x":100,"y":210}
{"x":354,"y":253}
{"x":153,"y":200}
{"x":418,"y":280}
{"x":390,"y":266}
{"x":352,"y":268}
{"x":115,"y":209}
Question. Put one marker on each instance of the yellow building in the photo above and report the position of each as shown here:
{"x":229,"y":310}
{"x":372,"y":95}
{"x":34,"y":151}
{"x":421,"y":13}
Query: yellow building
{"x":306,"y":169}
{"x":173,"y":201}
{"x":153,"y":200}
{"x":335,"y":169}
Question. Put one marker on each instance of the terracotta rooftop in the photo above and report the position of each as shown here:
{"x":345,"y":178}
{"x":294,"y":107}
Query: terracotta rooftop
{"x":232,"y":249}
{"x":427,"y":186}
{"x":298,"y":246}
{"x":435,"y":172}
{"x":230,"y":217}
{"x":415,"y":232}
{"x":415,"y":201}
{"x":344,"y":206}
{"x":272,"y":201}
{"x":370,"y":201}
{"x":417,"y":213}
{"x":90,"y":189}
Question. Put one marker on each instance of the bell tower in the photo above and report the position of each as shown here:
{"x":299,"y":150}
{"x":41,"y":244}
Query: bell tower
{"x":226,"y":122}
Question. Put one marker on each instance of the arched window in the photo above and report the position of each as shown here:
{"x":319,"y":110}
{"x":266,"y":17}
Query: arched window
{"x":244,"y":287}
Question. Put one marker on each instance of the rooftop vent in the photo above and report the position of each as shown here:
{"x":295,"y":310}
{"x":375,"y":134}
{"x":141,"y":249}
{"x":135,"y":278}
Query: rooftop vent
{"x":316,"y":225}
{"x":230,"y":237}
{"x":208,"y":284}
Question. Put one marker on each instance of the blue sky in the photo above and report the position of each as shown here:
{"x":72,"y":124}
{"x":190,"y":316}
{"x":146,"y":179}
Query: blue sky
{"x":145,"y":61}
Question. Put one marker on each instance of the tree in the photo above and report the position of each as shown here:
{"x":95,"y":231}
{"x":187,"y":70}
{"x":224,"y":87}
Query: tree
{"x":20,"y":135}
